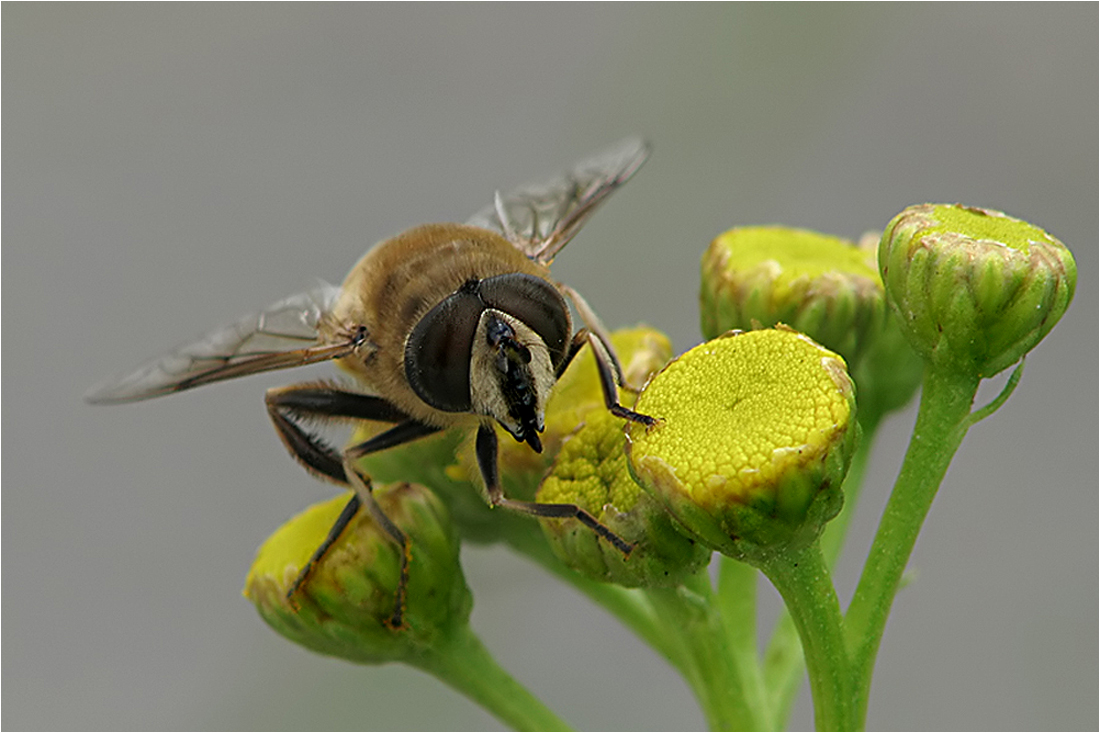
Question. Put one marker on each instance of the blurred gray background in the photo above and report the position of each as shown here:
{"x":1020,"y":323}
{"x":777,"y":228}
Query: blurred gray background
{"x":167,"y":168}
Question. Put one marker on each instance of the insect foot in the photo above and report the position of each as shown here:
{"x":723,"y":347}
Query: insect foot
{"x":356,"y":603}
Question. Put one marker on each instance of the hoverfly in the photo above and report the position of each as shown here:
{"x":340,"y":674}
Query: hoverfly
{"x":444,"y":324}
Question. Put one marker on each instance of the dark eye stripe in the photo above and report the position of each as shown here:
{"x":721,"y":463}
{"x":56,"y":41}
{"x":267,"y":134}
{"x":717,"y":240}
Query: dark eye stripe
{"x":437,"y":353}
{"x":535,"y":302}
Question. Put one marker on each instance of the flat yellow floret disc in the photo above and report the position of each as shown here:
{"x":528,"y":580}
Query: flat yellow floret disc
{"x":740,"y":412}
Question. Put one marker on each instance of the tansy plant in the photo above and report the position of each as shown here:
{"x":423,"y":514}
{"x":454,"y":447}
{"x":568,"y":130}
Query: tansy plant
{"x":764,"y":431}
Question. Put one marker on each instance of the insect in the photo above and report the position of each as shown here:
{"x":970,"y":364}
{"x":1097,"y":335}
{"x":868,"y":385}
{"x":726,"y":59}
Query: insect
{"x":444,"y":324}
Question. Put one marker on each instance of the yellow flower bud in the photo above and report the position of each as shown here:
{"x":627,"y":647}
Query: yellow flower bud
{"x":591,"y":472}
{"x":757,"y":430}
{"x":823,"y":286}
{"x":343,"y":608}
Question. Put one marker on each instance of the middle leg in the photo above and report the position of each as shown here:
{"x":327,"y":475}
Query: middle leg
{"x":289,"y":407}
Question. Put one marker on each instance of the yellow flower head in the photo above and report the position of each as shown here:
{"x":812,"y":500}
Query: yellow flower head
{"x":756,"y":433}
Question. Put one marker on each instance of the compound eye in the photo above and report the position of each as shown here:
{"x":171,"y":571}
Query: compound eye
{"x":437,"y":352}
{"x":535,"y":302}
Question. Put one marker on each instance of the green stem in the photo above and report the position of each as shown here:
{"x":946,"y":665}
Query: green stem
{"x":783,"y":662}
{"x":944,"y":414}
{"x":463,"y":662}
{"x":692,"y":621}
{"x":802,"y":578}
{"x":684,"y":625}
{"x":737,"y":604}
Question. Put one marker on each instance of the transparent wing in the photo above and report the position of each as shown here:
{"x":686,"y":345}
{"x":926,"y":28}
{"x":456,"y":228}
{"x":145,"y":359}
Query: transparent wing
{"x":541,"y":218}
{"x":284,"y":335}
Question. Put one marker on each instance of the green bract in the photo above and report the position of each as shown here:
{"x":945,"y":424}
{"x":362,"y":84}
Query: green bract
{"x":975,"y":289}
{"x":757,"y":430}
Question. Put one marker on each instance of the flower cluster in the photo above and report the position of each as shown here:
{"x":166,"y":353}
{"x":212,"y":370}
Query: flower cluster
{"x":757,"y":447}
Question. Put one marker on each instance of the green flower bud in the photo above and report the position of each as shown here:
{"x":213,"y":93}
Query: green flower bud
{"x":591,"y":472}
{"x":757,"y":431}
{"x":826,"y":287}
{"x":975,"y":289}
{"x":343,"y":608}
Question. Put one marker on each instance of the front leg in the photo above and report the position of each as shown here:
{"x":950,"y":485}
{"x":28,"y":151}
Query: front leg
{"x":607,"y":361}
{"x":594,"y":325}
{"x":610,"y":377}
{"x":487,"y":462}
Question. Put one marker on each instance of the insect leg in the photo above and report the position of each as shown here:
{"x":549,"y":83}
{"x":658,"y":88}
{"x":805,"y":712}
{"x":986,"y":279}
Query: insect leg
{"x":289,"y":406}
{"x":346,"y":515}
{"x":611,"y":371}
{"x":364,"y":491}
{"x":399,"y":434}
{"x":594,"y":325}
{"x":605,"y":366}
{"x":364,"y":494}
{"x":487,"y":461}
